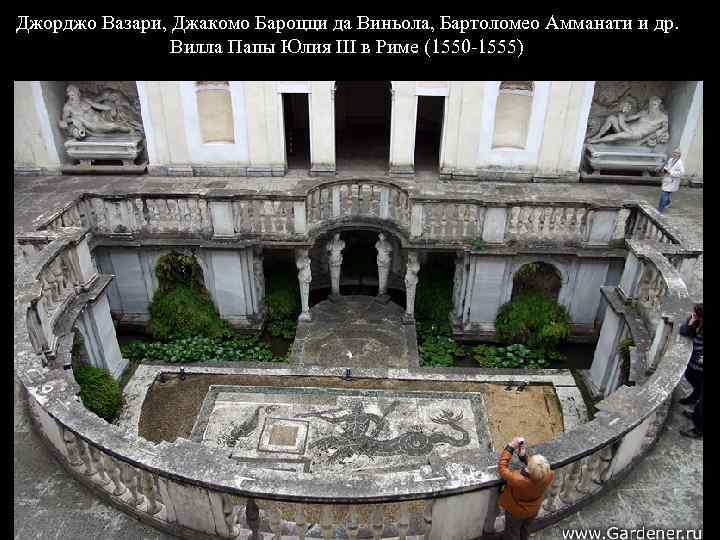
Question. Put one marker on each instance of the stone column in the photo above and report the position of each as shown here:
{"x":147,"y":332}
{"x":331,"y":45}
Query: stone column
{"x":411,"y":281}
{"x":402,"y":126}
{"x":302,"y":261}
{"x":335,"y":247}
{"x":383,"y":261}
{"x":322,"y":128}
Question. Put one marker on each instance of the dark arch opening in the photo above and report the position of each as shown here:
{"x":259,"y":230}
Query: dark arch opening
{"x":537,"y":277}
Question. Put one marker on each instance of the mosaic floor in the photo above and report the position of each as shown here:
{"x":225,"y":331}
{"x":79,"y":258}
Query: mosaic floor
{"x":337,"y":429}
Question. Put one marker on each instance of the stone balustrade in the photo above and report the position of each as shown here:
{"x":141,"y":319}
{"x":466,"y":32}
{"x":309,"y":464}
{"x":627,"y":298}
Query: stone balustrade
{"x":421,"y":219}
{"x":348,"y":200}
{"x":194,"y":491}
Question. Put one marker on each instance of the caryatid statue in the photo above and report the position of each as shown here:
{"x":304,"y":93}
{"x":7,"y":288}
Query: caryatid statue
{"x":302,"y":261}
{"x":82,"y":116}
{"x":259,"y":273}
{"x":335,"y":247}
{"x":411,"y":281}
{"x":383,"y":261}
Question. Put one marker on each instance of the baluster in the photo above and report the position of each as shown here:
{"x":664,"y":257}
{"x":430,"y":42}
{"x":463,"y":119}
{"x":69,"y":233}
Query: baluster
{"x":231,"y":511}
{"x":86,"y":458}
{"x":252,"y":518}
{"x":71,"y":447}
{"x":568,"y":493}
{"x":150,"y":491}
{"x":326,"y":523}
{"x":300,"y":522}
{"x":115,"y":475}
{"x":404,"y":521}
{"x":97,"y":457}
{"x":427,"y":519}
{"x":589,"y":470}
{"x":547,"y":224}
{"x":275,"y":521}
{"x":377,"y":522}
{"x":605,"y":456}
{"x":352,"y":525}
{"x":514,"y":217}
{"x":551,"y":498}
{"x":130,"y":476}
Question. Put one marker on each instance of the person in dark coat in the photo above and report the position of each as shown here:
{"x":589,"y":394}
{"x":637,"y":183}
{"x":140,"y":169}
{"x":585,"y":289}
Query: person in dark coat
{"x":693,"y":328}
{"x":696,"y":432}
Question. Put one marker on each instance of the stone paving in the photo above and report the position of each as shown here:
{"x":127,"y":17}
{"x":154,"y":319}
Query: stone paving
{"x":358,"y":330}
{"x":664,"y":491}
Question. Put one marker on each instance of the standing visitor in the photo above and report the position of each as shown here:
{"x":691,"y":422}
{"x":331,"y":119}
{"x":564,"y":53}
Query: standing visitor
{"x":693,"y":328}
{"x":696,"y":432}
{"x":525,"y":489}
{"x":672,"y":170}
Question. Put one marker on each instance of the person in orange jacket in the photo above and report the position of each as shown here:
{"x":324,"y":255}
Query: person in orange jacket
{"x":525,"y":489}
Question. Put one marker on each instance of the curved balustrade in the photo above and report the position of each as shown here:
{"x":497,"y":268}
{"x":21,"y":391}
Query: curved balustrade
{"x":190,"y":489}
{"x":347,"y":200}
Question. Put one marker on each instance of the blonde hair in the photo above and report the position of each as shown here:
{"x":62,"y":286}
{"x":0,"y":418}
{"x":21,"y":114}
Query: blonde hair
{"x":538,"y":467}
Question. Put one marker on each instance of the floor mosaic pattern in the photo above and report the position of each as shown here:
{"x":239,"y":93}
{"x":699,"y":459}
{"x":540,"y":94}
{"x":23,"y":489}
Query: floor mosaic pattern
{"x":338,"y":429}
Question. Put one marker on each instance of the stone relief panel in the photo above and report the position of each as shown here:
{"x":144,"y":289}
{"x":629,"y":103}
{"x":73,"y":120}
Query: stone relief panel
{"x":100,"y":107}
{"x":629,"y":113}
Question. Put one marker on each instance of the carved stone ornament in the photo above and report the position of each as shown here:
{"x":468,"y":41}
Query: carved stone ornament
{"x":111,"y":111}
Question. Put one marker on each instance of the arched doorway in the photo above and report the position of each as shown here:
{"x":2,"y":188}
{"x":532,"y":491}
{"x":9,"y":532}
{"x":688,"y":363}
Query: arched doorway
{"x":362,"y":125}
{"x":359,"y":268}
{"x":537,"y":277}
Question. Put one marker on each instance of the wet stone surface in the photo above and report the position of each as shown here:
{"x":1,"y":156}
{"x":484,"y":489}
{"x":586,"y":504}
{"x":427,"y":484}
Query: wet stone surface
{"x":355,"y":331}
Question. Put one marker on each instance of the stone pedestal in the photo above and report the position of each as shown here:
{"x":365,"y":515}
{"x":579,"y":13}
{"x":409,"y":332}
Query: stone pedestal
{"x":618,"y":159}
{"x":96,"y":155}
{"x":122,"y":148}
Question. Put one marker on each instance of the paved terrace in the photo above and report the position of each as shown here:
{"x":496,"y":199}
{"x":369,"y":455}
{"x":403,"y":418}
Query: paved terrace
{"x":664,"y":491}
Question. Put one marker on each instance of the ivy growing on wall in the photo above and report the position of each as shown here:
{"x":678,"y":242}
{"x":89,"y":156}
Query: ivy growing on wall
{"x":181,"y":307}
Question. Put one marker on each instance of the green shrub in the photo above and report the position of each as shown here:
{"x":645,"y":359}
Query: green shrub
{"x":439,"y":351}
{"x":183,"y":311}
{"x":181,"y":306}
{"x":201,"y":349}
{"x":513,"y":356}
{"x":478,"y":243}
{"x":533,"y":319}
{"x":426,"y":328}
{"x":175,"y":269}
{"x":433,"y":297}
{"x":284,"y":328}
{"x":283,"y":296}
{"x":99,"y":392}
